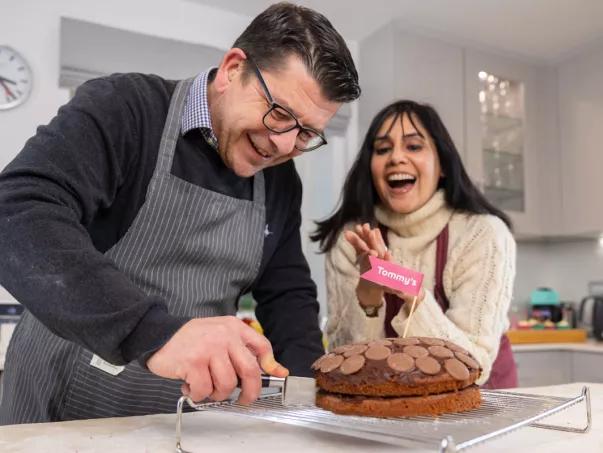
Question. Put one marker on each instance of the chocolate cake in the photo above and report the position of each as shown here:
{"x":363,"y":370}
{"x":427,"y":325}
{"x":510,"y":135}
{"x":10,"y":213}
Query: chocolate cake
{"x":398,"y":377}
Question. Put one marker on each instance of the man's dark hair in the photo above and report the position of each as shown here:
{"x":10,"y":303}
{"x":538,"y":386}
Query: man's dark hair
{"x":285,"y":29}
{"x":359,"y":195}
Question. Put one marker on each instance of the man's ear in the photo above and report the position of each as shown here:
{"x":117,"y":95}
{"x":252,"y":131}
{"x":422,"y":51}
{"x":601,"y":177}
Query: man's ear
{"x":231,"y":67}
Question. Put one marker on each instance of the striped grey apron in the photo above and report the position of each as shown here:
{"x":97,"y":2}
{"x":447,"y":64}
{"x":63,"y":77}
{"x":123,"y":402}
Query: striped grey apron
{"x":197,"y":249}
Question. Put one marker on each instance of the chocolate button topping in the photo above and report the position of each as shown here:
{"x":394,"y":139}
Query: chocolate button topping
{"x":456,"y":369}
{"x":317,"y":362}
{"x":428,"y":365}
{"x":355,"y":350}
{"x":432,"y":341}
{"x":331,"y":363}
{"x":455,"y":347}
{"x":467,"y":360}
{"x":342,"y":349}
{"x":378,"y":352}
{"x":406,"y":341}
{"x":352,"y":364}
{"x":416,"y":351}
{"x":383,"y":342}
{"x":401,"y":362}
{"x":441,"y":352}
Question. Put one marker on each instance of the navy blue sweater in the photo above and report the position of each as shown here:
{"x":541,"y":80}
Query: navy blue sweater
{"x":76,"y":187}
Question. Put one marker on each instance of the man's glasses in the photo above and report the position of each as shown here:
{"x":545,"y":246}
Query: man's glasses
{"x":280,"y":120}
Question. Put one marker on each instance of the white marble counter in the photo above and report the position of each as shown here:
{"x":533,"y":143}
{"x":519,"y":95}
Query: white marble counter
{"x":588,"y":346}
{"x":211,"y":432}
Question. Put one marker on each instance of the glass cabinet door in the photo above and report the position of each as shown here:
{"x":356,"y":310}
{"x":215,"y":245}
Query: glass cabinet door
{"x":502,"y":141}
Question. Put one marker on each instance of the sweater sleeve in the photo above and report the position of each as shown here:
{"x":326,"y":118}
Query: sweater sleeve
{"x":286,"y":295}
{"x":49,"y":193}
{"x":478,"y":281}
{"x":347,"y":322}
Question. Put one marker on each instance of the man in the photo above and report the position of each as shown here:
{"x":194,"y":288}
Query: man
{"x":134,"y":221}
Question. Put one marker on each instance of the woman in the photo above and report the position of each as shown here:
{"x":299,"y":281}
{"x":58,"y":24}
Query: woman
{"x":409,"y":200}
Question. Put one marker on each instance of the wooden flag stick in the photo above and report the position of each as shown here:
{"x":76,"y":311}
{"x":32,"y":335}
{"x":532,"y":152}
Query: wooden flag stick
{"x":412,"y":310}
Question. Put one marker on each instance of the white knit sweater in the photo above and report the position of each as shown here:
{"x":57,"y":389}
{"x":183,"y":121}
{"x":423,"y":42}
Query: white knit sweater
{"x":478,"y":280}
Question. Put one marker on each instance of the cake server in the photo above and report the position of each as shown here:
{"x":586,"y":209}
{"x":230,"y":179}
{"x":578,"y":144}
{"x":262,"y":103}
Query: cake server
{"x":294,"y":389}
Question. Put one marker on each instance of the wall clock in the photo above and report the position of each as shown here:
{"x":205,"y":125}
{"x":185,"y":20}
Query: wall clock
{"x":15,"y":78}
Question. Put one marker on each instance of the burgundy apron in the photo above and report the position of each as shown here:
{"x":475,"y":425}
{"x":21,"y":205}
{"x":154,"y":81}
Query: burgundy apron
{"x":504,"y":370}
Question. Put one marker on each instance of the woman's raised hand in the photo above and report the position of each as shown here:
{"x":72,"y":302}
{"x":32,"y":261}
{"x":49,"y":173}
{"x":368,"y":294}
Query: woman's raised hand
{"x":367,"y":242}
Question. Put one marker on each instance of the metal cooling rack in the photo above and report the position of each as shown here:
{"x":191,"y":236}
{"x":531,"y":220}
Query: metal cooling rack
{"x":500,"y":413}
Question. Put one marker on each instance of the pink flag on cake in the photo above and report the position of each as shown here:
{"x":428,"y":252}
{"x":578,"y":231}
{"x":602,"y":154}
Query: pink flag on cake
{"x":393,"y":276}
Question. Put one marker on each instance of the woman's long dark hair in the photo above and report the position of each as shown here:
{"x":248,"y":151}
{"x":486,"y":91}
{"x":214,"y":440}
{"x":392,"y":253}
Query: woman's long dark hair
{"x":359,"y":195}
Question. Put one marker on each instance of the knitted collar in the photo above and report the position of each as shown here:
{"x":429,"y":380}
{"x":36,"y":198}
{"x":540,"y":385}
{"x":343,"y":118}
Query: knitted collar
{"x":428,"y":220}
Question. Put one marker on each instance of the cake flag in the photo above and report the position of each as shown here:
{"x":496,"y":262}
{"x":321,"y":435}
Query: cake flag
{"x":394,"y":276}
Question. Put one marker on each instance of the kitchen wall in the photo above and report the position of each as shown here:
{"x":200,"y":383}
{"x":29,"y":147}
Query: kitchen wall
{"x":5,"y":296}
{"x":567,"y":267}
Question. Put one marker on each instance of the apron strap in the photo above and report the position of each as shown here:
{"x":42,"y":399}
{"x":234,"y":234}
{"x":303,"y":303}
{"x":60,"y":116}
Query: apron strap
{"x":441,"y":259}
{"x":171,"y":129}
{"x":259,"y":191}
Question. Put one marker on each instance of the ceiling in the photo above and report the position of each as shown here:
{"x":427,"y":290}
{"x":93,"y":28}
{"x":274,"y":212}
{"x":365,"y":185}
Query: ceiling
{"x":544,"y":30}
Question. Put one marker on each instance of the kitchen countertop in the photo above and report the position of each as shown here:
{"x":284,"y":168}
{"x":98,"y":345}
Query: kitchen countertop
{"x":588,"y":346}
{"x":209,"y":432}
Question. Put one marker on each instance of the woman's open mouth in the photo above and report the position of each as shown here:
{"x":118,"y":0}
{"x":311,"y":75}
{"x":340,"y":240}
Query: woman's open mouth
{"x":401,"y":182}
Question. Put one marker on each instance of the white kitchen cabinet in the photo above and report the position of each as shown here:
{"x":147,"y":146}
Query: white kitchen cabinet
{"x":518,"y":163}
{"x":580,"y":120}
{"x":538,"y":368}
{"x":551,"y":367}
{"x":395,"y":64}
{"x":376,"y":57}
{"x":587,"y":367}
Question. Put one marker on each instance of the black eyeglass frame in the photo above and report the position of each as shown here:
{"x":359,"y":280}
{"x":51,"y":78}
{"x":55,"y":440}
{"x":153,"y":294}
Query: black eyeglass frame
{"x":275,"y":105}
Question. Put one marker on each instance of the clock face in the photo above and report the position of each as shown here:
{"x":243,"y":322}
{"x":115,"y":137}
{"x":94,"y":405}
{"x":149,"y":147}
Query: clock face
{"x":15,"y":78}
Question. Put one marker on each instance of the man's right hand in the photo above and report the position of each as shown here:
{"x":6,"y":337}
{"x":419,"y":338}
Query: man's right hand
{"x":212,"y":354}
